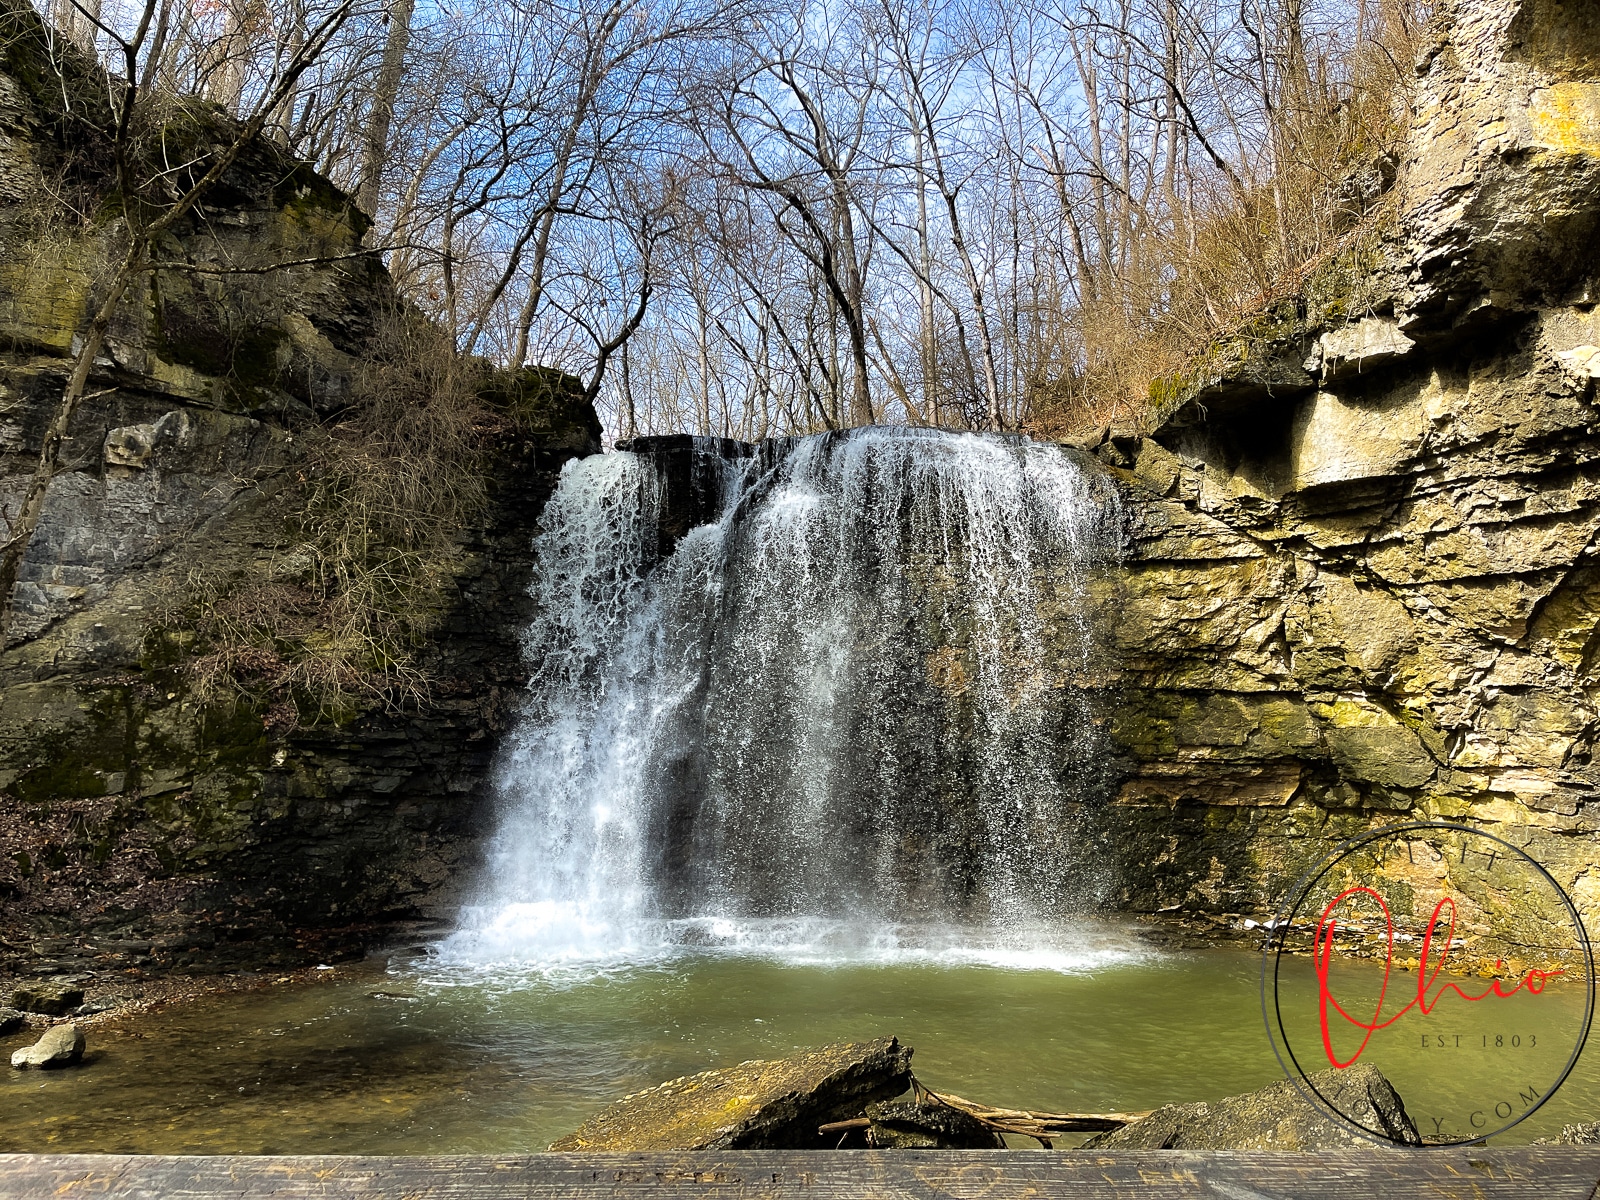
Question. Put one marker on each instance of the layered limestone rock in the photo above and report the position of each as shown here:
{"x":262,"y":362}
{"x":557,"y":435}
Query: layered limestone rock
{"x":1361,"y":583}
{"x":138,"y":827}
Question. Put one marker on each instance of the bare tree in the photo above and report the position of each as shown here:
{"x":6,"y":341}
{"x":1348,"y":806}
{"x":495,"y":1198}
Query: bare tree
{"x":375,"y":151}
{"x":961,"y":212}
{"x":796,"y":128}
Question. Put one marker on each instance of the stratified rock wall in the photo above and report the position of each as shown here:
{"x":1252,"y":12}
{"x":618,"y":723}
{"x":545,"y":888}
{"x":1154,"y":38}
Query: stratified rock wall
{"x":1362,"y":582}
{"x":139,"y":829}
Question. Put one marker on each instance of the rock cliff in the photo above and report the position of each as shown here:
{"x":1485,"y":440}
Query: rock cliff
{"x":1361,"y":581}
{"x":139,"y":827}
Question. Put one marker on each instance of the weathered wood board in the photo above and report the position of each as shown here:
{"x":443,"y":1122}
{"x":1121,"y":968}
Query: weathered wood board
{"x":1546,"y":1172}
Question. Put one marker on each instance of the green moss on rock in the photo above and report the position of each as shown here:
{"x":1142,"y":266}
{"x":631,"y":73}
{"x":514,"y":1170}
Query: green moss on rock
{"x":541,"y":400}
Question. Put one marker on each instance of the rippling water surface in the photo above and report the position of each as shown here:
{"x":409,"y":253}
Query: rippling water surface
{"x":419,"y":1055}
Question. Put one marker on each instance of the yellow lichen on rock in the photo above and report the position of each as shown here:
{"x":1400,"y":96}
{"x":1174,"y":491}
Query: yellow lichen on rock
{"x":1566,"y":117}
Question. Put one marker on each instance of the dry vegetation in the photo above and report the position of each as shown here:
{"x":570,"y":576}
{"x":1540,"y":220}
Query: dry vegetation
{"x":374,"y":514}
{"x":1237,"y":248}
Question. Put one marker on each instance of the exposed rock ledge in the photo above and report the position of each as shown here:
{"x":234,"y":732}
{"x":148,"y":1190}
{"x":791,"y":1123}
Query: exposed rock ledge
{"x":1361,"y":583}
{"x":760,"y":1104}
{"x":1278,"y":1117}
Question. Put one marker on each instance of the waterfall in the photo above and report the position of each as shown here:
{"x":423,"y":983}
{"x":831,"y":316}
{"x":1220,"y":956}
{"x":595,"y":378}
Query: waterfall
{"x":819,"y":690}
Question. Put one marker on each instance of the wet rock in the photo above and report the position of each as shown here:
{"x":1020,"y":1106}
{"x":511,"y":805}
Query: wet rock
{"x":1278,"y":1117}
{"x":61,"y":1046}
{"x":49,"y":999}
{"x":904,"y":1125}
{"x":11,"y":1021}
{"x":762,"y":1104}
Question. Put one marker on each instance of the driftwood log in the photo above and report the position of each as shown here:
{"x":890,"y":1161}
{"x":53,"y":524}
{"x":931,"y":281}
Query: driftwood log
{"x":1043,"y":1127}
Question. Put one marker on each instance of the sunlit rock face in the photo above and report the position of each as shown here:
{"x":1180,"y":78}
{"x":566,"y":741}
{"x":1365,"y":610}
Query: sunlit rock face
{"x":1369,"y":592}
{"x":841,"y":676}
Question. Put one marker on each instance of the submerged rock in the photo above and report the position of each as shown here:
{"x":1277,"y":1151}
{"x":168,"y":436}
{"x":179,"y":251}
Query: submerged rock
{"x":11,"y":1020}
{"x":1278,"y":1117}
{"x":61,"y":1046}
{"x":758,"y":1105}
{"x":904,"y":1125}
{"x":51,"y":1000}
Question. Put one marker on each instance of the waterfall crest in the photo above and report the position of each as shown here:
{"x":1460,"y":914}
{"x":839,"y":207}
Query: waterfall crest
{"x":841,"y":700}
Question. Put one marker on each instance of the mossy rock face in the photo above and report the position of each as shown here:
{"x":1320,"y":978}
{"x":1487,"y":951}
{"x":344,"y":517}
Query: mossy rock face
{"x":1358,"y":586}
{"x":206,"y":332}
{"x":1390,"y":545}
{"x":314,"y":201}
{"x":148,"y":827}
{"x":544,"y":402}
{"x":64,"y":89}
{"x":44,"y":300}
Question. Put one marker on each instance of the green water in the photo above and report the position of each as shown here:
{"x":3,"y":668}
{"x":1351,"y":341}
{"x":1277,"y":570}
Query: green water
{"x":393,"y":1059}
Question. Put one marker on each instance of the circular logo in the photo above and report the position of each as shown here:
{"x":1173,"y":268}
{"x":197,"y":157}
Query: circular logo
{"x":1443,"y":956}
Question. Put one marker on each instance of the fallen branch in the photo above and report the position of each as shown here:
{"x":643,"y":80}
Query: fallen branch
{"x":1043,"y":1127}
{"x":843,"y":1126}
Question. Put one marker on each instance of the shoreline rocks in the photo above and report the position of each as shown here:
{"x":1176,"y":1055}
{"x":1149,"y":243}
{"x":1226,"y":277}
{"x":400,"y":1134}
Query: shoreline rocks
{"x":61,"y":1046}
{"x":905,"y":1125}
{"x":1276,"y":1117}
{"x":50,"y":1000}
{"x":762,"y":1104}
{"x":850,"y":1087}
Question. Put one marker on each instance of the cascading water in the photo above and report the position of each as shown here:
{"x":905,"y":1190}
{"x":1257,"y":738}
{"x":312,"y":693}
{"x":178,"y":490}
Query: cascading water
{"x":840,"y":709}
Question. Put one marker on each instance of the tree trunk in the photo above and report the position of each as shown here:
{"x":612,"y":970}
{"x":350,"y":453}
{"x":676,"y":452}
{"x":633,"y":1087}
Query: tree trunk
{"x":375,"y":154}
{"x":925,"y":312}
{"x":283,"y":126}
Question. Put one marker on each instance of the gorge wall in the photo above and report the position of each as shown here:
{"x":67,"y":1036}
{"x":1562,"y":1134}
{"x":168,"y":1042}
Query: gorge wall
{"x":141,"y":829}
{"x":1360,"y":583}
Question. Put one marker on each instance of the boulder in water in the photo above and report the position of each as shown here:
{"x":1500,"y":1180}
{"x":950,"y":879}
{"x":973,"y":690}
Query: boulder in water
{"x":11,"y":1020}
{"x":759,"y":1105}
{"x":48,"y":999}
{"x":1278,"y":1117}
{"x":904,"y":1125}
{"x":61,"y":1046}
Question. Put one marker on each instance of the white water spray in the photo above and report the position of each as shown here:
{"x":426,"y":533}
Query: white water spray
{"x":841,"y":717}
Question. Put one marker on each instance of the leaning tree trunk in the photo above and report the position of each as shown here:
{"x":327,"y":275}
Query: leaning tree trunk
{"x":375,"y":154}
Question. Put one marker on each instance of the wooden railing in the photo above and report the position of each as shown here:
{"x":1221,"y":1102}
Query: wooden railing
{"x":1544,"y":1172}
